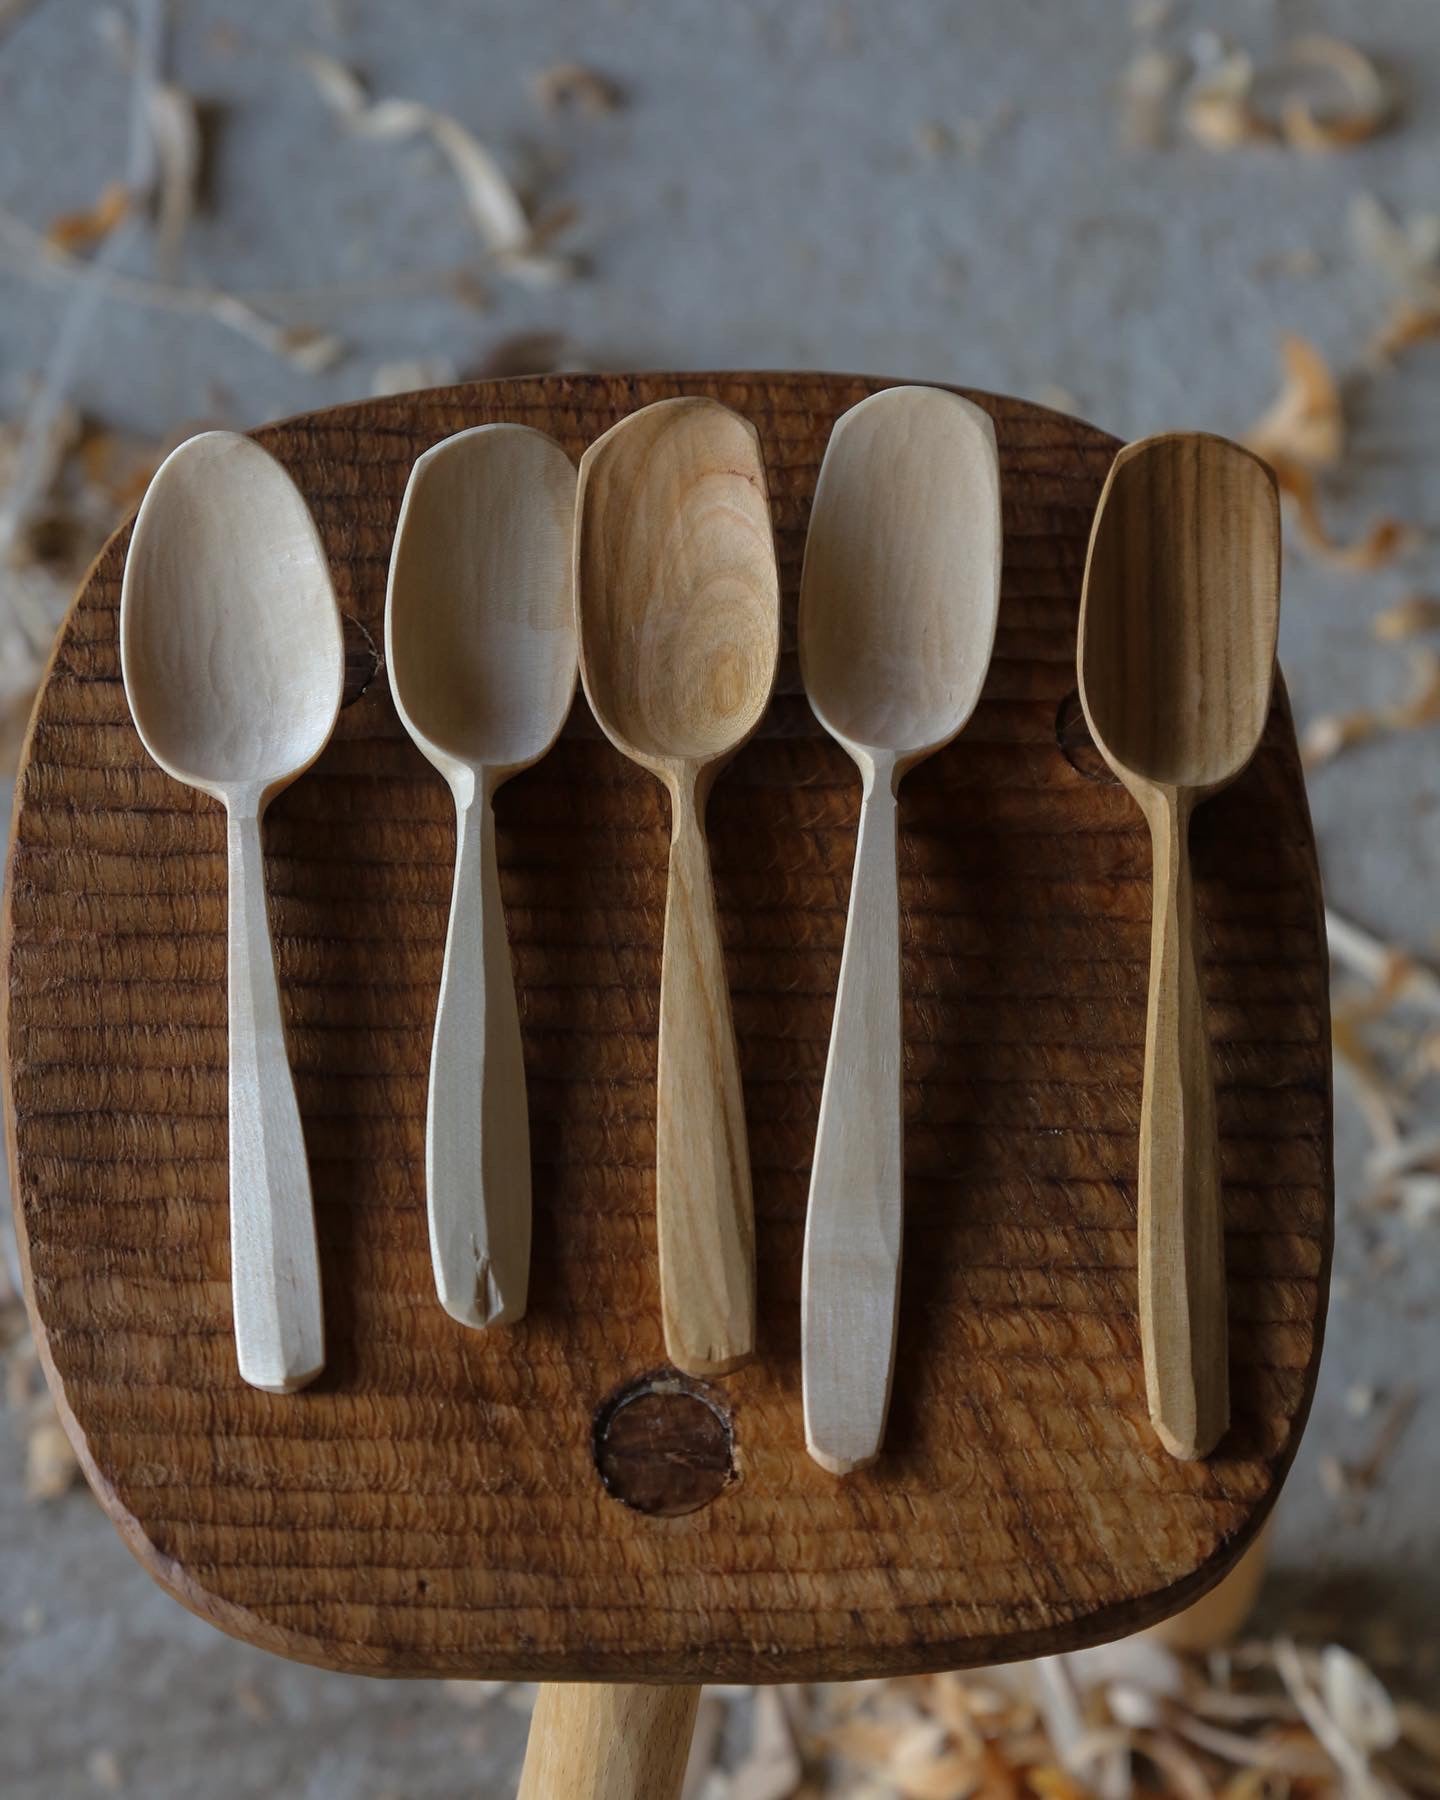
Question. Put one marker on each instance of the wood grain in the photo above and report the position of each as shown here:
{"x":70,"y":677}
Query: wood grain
{"x":232,"y":655}
{"x":480,"y":647}
{"x":899,"y":598}
{"x":609,"y":1743}
{"x":431,"y":1505}
{"x":678,"y":602}
{"x":1178,"y":625}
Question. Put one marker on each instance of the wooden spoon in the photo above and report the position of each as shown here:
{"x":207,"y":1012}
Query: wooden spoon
{"x":1177,"y":653}
{"x":898,"y":604}
{"x":480,"y":643}
{"x":679,"y":610}
{"x":233,"y":658}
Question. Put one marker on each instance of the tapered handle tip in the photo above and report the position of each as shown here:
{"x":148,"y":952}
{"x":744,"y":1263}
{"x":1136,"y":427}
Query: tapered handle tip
{"x":279,"y":1378}
{"x":841,"y":1462}
{"x":481,"y":1294}
{"x":1191,"y":1432}
{"x":709,"y":1360}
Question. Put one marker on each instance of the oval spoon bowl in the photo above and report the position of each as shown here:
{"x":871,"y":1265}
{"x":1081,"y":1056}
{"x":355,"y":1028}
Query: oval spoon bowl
{"x":232,"y":654}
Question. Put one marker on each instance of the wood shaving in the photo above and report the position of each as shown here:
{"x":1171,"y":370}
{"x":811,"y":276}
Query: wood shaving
{"x":1407,"y":251}
{"x":311,"y":349}
{"x":1407,"y":326}
{"x":1222,"y":109}
{"x":494,"y":205}
{"x":1365,"y":102}
{"x":571,"y":86}
{"x":1326,"y":736}
{"x":1407,"y":619}
{"x":1118,"y":1722}
{"x":1305,"y":424}
{"x":1383,"y":541}
{"x":80,"y":230}
{"x":176,"y":128}
{"x":1303,"y":431}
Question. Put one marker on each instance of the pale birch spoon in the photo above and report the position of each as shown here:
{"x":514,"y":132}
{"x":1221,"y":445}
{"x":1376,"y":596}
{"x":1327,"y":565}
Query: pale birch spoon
{"x":1177,"y":653}
{"x":480,"y":644}
{"x":233,"y":658}
{"x":679,"y":607}
{"x":898,"y":604}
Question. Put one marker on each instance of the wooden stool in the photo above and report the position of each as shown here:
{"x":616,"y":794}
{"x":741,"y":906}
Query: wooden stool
{"x":550,"y":1500}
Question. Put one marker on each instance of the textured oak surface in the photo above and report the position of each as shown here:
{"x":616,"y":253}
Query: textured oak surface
{"x":431,"y":1504}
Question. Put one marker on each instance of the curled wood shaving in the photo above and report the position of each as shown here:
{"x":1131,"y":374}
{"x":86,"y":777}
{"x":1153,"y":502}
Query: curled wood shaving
{"x":1407,"y":618}
{"x":1218,"y":109}
{"x":495,"y":207}
{"x":1222,"y":107}
{"x":1305,"y":424}
{"x":175,"y":125}
{"x":79,"y":230}
{"x":571,"y":85}
{"x":1365,"y":106}
{"x":1407,"y":326}
{"x":1302,"y":431}
{"x":1124,"y":1720}
{"x":309,"y":348}
{"x":1382,"y":541}
{"x":1329,"y":734}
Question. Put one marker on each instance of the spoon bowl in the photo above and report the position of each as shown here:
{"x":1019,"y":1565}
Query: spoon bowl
{"x":480,"y":643}
{"x":230,"y":642}
{"x":1181,"y":611}
{"x":678,"y":601}
{"x":897,"y":628}
{"x":480,"y":618}
{"x":898,"y":606}
{"x":233,"y":659}
{"x":1178,"y":625}
{"x":679,"y":639}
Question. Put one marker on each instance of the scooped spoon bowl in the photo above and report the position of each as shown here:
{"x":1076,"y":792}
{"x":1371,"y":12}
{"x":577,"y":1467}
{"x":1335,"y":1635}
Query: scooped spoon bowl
{"x":1178,"y":627}
{"x":898,"y":606}
{"x":480,"y":644}
{"x":233,"y":659}
{"x":678,"y":602}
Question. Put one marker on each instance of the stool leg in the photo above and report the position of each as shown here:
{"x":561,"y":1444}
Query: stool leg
{"x":604,"y":1742}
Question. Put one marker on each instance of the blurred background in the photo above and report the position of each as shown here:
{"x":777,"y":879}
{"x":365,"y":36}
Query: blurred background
{"x":1153,"y":214}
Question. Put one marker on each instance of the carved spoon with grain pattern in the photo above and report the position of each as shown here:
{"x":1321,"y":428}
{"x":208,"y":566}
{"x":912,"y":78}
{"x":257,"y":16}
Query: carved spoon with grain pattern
{"x":678,"y":601}
{"x":480,"y":644}
{"x":898,"y":605}
{"x":233,"y":659}
{"x":1177,"y":653}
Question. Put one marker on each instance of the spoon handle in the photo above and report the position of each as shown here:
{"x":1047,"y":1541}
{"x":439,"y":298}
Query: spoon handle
{"x":477,"y":1141}
{"x":1182,"y":1238}
{"x":275,"y":1270}
{"x":704,"y":1211}
{"x":853,"y":1226}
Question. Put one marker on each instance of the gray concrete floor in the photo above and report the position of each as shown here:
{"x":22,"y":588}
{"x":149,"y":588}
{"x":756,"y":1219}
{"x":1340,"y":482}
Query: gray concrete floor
{"x":762,"y":199}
